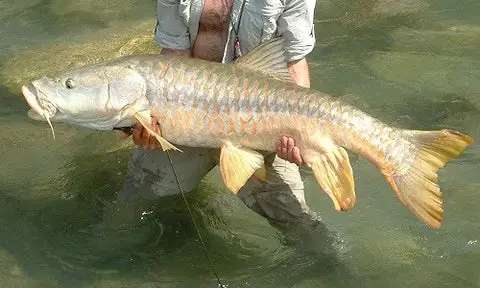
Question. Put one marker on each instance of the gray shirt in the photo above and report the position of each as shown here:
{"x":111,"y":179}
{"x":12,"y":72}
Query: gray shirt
{"x":178,"y":22}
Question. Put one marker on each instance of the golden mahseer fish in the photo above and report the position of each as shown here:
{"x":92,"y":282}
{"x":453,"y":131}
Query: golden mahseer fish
{"x":243,"y":108}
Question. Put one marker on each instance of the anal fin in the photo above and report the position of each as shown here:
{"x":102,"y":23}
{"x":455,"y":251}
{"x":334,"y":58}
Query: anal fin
{"x":237,"y":165}
{"x":145,"y":119}
{"x":334,"y":174}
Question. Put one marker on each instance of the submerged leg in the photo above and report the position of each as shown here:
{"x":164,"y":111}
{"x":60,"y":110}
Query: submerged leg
{"x":149,"y":177}
{"x":150,"y":174}
{"x":281,"y":198}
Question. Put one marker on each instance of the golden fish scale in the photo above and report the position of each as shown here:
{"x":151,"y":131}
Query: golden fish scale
{"x":205,"y":104}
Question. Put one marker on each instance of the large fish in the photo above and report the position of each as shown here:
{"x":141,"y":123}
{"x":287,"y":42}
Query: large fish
{"x":243,"y":108}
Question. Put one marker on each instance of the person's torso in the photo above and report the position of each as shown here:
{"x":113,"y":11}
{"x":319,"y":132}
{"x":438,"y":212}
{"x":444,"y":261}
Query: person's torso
{"x":212,"y":30}
{"x":213,"y":33}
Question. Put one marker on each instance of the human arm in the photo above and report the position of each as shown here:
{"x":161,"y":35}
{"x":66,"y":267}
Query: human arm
{"x":297,"y":28}
{"x":172,"y":35}
{"x":286,"y":147}
{"x":299,"y":42}
{"x":139,"y":134}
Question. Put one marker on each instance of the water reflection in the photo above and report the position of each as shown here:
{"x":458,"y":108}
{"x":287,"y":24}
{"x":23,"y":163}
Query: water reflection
{"x":411,"y":63}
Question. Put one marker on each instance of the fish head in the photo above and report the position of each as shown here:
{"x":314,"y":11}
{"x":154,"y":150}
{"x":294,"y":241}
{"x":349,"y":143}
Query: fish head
{"x":98,"y":97}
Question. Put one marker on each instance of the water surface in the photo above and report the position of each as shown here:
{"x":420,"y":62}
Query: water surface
{"x":410,"y":63}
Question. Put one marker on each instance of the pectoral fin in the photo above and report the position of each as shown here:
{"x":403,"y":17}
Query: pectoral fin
{"x":237,"y":165}
{"x":334,"y":174}
{"x":145,"y":119}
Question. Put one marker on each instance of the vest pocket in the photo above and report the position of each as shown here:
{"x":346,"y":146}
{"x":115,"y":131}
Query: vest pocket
{"x":259,"y":22}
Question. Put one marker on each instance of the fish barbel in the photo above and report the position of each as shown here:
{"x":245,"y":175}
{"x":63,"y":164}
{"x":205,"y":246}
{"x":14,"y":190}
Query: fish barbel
{"x":243,"y":108}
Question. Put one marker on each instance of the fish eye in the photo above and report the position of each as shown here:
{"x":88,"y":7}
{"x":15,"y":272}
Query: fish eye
{"x":69,"y":83}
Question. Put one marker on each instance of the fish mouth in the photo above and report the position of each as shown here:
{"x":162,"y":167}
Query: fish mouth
{"x":31,"y":95}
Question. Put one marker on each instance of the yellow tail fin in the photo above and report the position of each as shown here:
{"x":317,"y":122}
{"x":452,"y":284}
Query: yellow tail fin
{"x":417,"y":187}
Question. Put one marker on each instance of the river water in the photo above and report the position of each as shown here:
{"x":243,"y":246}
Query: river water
{"x":412,"y":63}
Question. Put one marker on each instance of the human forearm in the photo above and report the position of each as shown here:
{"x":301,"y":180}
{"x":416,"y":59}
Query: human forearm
{"x":286,"y":147}
{"x":139,"y":134}
{"x":299,"y":72}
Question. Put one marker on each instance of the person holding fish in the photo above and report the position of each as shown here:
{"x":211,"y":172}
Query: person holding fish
{"x":234,"y":111}
{"x":222,"y":31}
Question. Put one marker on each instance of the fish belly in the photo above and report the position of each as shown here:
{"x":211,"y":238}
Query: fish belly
{"x":203,"y":128}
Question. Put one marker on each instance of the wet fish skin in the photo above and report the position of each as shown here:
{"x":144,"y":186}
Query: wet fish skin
{"x":246,"y":107}
{"x":201,"y":104}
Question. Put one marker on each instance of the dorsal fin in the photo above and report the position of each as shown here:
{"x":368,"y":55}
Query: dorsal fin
{"x":268,"y":58}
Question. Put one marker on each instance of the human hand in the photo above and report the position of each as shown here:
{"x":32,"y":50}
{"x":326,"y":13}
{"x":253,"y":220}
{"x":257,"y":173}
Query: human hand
{"x":142,"y":137}
{"x":287,"y":150}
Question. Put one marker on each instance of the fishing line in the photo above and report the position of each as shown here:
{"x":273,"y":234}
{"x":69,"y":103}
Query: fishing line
{"x":205,"y":250}
{"x":129,"y":130}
